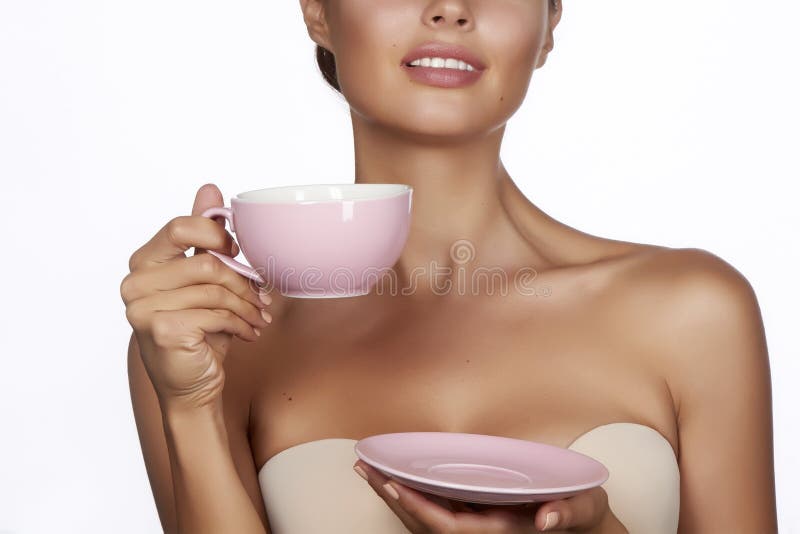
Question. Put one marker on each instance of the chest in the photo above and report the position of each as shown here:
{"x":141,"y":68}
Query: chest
{"x":490,"y":369}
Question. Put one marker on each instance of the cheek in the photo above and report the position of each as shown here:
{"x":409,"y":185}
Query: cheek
{"x":370,"y":45}
{"x":516,"y":51}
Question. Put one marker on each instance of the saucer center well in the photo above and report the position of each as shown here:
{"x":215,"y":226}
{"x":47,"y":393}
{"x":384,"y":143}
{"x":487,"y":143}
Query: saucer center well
{"x":479,"y":475}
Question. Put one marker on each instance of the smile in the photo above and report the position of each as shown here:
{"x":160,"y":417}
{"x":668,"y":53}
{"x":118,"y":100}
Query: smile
{"x":441,"y":63}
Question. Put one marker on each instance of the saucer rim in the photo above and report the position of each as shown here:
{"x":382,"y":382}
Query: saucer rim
{"x":484,"y":489}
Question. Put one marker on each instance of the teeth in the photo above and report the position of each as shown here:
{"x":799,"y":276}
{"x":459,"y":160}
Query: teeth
{"x":442,"y":63}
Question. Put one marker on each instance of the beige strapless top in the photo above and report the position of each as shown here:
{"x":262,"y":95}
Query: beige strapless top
{"x":311,"y":487}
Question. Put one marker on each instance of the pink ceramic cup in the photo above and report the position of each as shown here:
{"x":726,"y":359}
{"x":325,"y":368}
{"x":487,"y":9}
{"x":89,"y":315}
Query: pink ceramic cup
{"x":321,"y":240}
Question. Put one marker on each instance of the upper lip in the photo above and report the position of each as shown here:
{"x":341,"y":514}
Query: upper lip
{"x":445,"y":50}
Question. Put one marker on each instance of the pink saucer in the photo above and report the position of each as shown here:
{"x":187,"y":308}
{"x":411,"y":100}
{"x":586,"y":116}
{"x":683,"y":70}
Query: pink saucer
{"x":480,"y":468}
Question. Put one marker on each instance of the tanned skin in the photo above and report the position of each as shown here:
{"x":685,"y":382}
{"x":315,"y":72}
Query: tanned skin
{"x":613,"y":331}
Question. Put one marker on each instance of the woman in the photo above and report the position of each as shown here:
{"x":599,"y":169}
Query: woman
{"x":648,"y":358}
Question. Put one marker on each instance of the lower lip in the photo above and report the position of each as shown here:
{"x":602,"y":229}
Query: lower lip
{"x":443,"y":77}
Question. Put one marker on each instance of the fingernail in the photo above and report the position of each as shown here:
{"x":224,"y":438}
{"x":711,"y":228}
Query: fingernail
{"x":360,"y":472}
{"x":391,"y":491}
{"x":257,"y":331}
{"x":551,"y":520}
{"x":264,"y":297}
{"x":267,"y":317}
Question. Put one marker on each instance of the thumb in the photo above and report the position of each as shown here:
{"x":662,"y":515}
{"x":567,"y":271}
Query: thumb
{"x":209,"y":196}
{"x":582,"y":511}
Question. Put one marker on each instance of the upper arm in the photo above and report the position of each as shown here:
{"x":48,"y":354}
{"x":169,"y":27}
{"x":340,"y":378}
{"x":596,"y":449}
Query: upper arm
{"x":147,"y":413}
{"x":718,"y":371}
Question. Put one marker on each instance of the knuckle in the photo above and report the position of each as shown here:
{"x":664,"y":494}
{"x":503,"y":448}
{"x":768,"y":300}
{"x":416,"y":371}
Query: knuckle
{"x":133,"y":261}
{"x":227,"y":315}
{"x":216,"y":235}
{"x":176,"y":229}
{"x":241,"y":284}
{"x":213,"y":293}
{"x":222,"y":238}
{"x":232,"y":280}
{"x":134,"y":315}
{"x":162,"y":330}
{"x":208,"y":265}
{"x":126,"y":288}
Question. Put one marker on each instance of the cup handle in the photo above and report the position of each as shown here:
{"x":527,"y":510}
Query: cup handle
{"x":240,"y":268}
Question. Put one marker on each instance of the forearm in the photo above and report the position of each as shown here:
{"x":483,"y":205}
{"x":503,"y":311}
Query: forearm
{"x":209,"y":496}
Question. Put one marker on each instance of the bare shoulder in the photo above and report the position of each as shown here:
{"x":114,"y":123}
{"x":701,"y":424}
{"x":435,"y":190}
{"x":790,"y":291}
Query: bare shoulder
{"x":686,"y":288}
{"x":699,"y":320}
{"x":696,"y":312}
{"x":690,"y":265}
{"x":692,"y":286}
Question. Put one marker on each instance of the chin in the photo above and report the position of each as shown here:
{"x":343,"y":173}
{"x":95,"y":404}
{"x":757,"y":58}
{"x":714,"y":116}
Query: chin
{"x":432,"y":115}
{"x":437,"y":123}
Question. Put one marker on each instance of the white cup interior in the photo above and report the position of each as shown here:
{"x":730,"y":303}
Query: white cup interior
{"x":322,"y":193}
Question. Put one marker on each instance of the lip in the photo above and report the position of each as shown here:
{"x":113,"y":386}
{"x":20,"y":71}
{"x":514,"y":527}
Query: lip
{"x":447,"y":78}
{"x":445,"y":50}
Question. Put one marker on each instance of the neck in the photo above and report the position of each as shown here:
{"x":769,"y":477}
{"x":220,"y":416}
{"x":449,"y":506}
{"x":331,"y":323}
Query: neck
{"x":463,"y":198}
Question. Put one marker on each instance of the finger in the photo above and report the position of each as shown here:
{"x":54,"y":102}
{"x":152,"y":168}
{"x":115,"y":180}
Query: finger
{"x":513,"y":518}
{"x":376,"y":480}
{"x":209,"y":196}
{"x":480,"y":507}
{"x":583,"y":510}
{"x":201,"y":296}
{"x":200,"y":269}
{"x":422,"y":510}
{"x":460,"y":506}
{"x":187,"y":329}
{"x":433,"y":516}
{"x":179,"y":235}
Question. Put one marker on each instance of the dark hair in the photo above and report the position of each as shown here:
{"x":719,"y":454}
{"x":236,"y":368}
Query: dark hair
{"x":327,"y":66}
{"x":327,"y":63}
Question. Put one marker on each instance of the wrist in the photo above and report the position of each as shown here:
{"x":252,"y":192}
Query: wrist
{"x":180,"y":418}
{"x":179,"y":408}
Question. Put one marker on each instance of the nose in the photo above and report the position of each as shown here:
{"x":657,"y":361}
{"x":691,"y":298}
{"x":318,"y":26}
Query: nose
{"x":442,"y":14}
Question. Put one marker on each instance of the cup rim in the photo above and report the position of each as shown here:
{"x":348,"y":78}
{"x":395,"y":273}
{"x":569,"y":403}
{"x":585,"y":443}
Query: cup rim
{"x":393,"y":190}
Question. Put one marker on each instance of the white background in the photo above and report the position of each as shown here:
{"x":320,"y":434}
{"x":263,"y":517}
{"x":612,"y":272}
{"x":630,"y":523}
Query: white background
{"x":661,"y":122}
